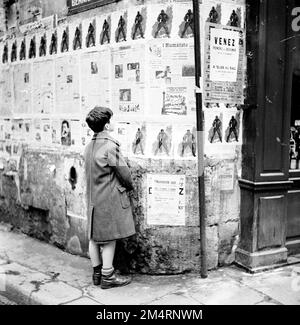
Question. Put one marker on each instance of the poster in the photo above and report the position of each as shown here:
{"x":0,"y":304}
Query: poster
{"x":171,"y":77}
{"x":87,"y":134}
{"x":185,"y":142}
{"x":159,"y":141}
{"x":7,"y":130}
{"x":5,"y":93}
{"x":214,"y":127}
{"x":37,"y":131}
{"x":138,"y":136}
{"x":232,"y":126}
{"x":76,"y":140}
{"x":132,"y":138}
{"x":119,"y":27}
{"x":56,"y":131}
{"x":160,"y":20}
{"x":95,"y":76}
{"x":43,"y":87}
{"x":67,"y":85}
{"x":128,"y":75}
{"x":223,"y":79}
{"x":22,"y":88}
{"x":226,"y":176}
{"x":137,"y":22}
{"x":121,"y":134}
{"x":46,"y":135}
{"x":224,"y":54}
{"x":65,"y":133}
{"x":166,"y":200}
{"x":183,"y":19}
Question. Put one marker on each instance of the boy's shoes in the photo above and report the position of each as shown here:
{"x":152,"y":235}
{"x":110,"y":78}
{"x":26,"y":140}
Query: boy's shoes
{"x":97,"y":278}
{"x":113,"y":280}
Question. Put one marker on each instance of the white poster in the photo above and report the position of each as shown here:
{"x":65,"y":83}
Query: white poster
{"x":22,"y":88}
{"x":224,"y":54}
{"x":166,"y":200}
{"x":43,"y":87}
{"x":5,"y":93}
{"x":185,"y":142}
{"x":171,"y":73}
{"x":67,"y":85}
{"x":95,"y":76}
{"x":159,"y":141}
{"x":128,"y":79}
{"x":226,"y":176}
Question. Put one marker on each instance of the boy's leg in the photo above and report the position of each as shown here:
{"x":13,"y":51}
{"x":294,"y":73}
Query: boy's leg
{"x":108,"y":253}
{"x":109,"y":279}
{"x":94,"y":251}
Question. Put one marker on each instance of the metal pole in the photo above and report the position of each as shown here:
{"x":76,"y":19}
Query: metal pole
{"x":200,"y":139}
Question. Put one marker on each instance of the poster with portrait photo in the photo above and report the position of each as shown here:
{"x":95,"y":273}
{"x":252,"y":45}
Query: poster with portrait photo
{"x":185,"y":142}
{"x":160,"y":141}
{"x":65,"y":134}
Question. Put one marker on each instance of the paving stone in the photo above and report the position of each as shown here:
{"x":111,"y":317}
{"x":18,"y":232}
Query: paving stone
{"x":225,"y":293}
{"x":142,"y":290}
{"x":83,"y":301}
{"x":281,"y":285}
{"x":175,"y":299}
{"x":55,"y":293}
{"x":73,"y":270}
{"x":20,"y":282}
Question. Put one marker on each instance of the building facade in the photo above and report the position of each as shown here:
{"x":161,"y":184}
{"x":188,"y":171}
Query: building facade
{"x":61,"y":58}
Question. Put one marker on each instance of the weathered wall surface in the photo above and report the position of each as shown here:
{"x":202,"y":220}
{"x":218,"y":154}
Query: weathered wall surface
{"x":38,"y":196}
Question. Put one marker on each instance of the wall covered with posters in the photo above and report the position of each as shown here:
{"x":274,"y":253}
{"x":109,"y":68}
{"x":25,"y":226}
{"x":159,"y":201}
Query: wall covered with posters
{"x":136,"y":57}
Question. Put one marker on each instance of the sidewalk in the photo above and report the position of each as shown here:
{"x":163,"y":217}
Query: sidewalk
{"x":32,"y":272}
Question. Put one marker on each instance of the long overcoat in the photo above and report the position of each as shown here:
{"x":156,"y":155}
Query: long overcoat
{"x":108,"y":181}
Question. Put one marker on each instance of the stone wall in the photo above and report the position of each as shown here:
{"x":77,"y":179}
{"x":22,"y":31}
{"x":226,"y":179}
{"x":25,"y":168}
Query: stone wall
{"x":38,"y":196}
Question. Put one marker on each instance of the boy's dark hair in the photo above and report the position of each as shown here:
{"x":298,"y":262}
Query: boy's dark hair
{"x":98,"y":117}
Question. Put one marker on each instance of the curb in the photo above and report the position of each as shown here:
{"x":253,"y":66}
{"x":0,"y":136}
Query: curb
{"x":24,"y":286}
